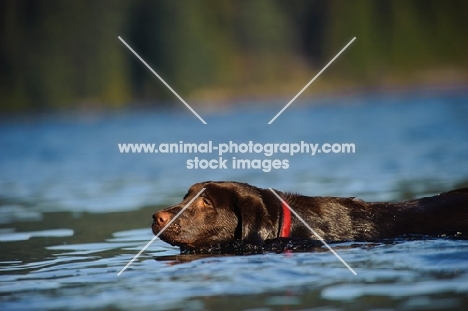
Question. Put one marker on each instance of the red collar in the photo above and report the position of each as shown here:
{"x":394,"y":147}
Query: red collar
{"x":286,"y":223}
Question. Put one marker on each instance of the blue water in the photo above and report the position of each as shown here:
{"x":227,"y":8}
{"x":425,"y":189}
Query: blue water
{"x":74,"y":211}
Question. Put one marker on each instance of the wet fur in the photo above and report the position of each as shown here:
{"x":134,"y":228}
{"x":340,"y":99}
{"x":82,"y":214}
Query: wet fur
{"x":230,"y":211}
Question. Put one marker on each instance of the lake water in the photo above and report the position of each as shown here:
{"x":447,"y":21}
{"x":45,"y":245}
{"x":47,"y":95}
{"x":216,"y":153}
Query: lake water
{"x":74,"y":210}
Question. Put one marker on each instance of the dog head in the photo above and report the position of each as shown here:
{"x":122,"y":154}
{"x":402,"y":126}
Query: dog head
{"x":223,"y":212}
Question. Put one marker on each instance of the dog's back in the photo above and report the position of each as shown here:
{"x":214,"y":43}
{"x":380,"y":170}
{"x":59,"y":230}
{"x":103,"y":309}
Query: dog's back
{"x":443,"y":214}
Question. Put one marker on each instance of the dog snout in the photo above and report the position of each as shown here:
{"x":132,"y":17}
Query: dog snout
{"x":161,"y":218}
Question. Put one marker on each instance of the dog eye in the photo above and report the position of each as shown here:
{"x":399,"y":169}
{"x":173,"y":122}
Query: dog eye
{"x":206,"y":202}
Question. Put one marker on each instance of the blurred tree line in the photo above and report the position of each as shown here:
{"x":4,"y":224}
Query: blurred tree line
{"x":63,"y":54}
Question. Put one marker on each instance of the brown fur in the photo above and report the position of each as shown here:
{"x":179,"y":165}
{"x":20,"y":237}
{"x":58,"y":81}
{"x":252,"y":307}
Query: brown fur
{"x":229,"y":211}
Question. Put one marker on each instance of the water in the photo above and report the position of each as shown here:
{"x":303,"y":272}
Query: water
{"x":74,"y":211}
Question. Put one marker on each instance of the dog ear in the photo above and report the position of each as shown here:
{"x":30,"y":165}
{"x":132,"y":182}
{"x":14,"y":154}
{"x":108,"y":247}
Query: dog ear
{"x":258,"y":214}
{"x":256,"y":210}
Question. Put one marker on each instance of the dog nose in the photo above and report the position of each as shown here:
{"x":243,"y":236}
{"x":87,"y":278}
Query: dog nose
{"x":162,"y":218}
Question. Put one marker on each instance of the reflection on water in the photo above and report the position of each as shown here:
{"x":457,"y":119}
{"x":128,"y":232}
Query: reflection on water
{"x":6,"y":236}
{"x":73,"y":211}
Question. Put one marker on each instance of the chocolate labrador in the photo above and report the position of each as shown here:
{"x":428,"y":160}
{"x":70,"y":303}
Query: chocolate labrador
{"x":230,"y":211}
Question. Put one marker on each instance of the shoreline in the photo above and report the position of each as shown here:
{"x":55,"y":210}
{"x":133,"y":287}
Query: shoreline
{"x":216,"y":103}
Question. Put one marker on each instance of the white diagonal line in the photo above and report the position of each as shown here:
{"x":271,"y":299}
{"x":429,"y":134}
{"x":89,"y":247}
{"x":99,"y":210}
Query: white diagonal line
{"x":313,"y":231}
{"x":316,"y":76}
{"x":157,"y":235}
{"x":162,"y":80}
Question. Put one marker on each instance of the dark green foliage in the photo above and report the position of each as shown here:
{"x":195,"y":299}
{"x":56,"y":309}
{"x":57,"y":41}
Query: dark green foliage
{"x":64,"y":54}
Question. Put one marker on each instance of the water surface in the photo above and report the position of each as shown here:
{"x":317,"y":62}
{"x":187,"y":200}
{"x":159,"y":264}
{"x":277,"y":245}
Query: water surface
{"x":74,"y":211}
